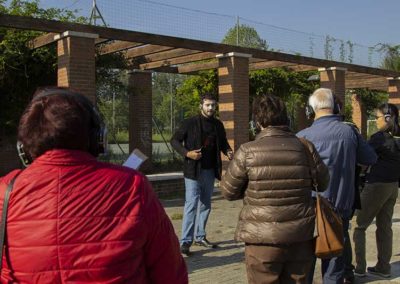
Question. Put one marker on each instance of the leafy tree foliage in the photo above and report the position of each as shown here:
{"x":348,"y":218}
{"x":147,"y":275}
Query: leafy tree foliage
{"x":23,"y":69}
{"x":191,"y":89}
{"x":244,"y":35}
{"x":166,"y":108}
{"x":391,"y":60}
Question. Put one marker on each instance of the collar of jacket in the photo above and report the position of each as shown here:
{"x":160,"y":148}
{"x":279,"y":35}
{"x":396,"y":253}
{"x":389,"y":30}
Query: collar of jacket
{"x":274,"y":131}
{"x":64,"y":157}
{"x":326,"y":118}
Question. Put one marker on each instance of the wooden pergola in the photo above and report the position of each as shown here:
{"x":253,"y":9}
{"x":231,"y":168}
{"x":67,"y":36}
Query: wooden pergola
{"x":157,"y":53}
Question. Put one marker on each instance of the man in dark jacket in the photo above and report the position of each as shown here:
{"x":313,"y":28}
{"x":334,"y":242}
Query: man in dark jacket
{"x":200,"y":140}
{"x":341,"y":148}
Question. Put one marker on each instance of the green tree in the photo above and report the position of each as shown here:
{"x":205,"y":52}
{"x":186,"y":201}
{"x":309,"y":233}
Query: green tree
{"x":167,"y":111}
{"x":246,"y":36}
{"x":23,"y":69}
{"x":391,"y":61}
{"x":188,"y":94}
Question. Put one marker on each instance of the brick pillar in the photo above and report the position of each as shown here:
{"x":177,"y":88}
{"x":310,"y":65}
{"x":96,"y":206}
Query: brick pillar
{"x":333,"y":78}
{"x":233,"y":89}
{"x":76,"y":62}
{"x":359,"y":115}
{"x":394,"y":91}
{"x":140,"y":114}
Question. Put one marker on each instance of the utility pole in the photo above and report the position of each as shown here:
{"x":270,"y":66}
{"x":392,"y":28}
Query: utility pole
{"x":237,"y":30}
{"x":96,"y":15}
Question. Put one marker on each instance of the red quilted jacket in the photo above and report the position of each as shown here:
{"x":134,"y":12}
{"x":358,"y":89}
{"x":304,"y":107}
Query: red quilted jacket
{"x":72,"y":219}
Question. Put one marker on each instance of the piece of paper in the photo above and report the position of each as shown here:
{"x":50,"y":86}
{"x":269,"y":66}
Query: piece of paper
{"x":135,"y":159}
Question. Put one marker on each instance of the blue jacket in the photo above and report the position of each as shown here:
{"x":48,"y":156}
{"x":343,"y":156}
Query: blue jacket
{"x":340,"y":148}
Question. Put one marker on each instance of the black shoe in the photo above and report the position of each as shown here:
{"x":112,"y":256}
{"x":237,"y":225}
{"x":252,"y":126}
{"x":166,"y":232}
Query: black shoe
{"x":185,"y":248}
{"x":205,"y":243}
{"x":348,"y":280}
{"x":374,"y":271}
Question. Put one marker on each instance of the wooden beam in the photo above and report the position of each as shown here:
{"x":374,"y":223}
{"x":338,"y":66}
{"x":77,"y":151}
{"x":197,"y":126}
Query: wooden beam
{"x":269,"y":64}
{"x":179,"y":60}
{"x":145,"y":50}
{"x":166,"y":69}
{"x":376,"y":84}
{"x":117,"y":46}
{"x":302,"y":68}
{"x":196,"y":67}
{"x":29,"y":23}
{"x":178,"y":52}
{"x":42,"y":40}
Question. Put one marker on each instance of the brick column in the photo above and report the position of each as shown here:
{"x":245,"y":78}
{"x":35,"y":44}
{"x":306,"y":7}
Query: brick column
{"x":359,"y":115}
{"x":394,"y":91}
{"x":140,"y":114}
{"x":76,"y":62}
{"x":333,"y":78}
{"x":233,"y":89}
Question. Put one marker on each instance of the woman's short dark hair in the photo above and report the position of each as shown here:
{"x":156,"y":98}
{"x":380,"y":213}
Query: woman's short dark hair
{"x":55,"y":119}
{"x":269,"y":110}
{"x":393,"y":111}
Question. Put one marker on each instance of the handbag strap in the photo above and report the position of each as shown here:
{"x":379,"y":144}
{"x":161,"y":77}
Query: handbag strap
{"x":311,"y":163}
{"x":4,"y":218}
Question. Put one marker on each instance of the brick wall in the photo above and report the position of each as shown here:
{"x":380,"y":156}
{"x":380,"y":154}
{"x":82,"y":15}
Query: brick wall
{"x":359,"y":115}
{"x":233,"y":88}
{"x":140,"y":115}
{"x":76,"y":65}
{"x":334,"y":79}
{"x":394,"y":91}
{"x":168,"y":186}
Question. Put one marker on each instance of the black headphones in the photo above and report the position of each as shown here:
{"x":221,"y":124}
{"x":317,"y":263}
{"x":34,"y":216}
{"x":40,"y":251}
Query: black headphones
{"x":98,"y":130}
{"x":387,"y":113}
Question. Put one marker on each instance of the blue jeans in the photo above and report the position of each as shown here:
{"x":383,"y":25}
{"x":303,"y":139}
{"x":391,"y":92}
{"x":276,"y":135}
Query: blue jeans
{"x":333,"y":269}
{"x":198,"y":192}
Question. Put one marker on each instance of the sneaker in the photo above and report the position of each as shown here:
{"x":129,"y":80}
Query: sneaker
{"x":359,"y":273}
{"x":374,"y":271}
{"x":185,"y":249}
{"x":205,"y":243}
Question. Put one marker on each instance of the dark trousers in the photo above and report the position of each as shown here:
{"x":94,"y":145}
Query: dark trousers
{"x":333,"y":269}
{"x":285,"y":264}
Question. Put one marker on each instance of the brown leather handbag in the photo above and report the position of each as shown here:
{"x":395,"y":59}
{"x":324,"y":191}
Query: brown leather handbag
{"x":330,"y":239}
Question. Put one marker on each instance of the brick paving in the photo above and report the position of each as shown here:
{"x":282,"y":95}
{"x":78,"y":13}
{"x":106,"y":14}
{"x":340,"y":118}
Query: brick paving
{"x":226,"y":264}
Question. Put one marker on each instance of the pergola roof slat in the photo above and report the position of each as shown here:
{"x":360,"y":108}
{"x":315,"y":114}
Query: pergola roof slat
{"x":158,"y":43}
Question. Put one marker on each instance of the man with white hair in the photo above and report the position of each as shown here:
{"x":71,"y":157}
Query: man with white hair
{"x":340,"y":148}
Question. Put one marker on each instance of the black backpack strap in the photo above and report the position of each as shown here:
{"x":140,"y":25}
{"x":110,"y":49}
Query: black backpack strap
{"x":4,"y":218}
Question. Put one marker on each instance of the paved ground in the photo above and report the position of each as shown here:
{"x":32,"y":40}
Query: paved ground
{"x":226,"y":264}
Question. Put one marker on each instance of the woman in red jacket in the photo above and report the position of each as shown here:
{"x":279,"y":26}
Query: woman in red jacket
{"x":72,"y":219}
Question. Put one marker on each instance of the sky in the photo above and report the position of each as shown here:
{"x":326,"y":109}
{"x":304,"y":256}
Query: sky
{"x":366,"y":22}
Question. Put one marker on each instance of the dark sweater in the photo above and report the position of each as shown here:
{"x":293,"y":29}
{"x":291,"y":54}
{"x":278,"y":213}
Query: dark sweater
{"x":387,"y":168}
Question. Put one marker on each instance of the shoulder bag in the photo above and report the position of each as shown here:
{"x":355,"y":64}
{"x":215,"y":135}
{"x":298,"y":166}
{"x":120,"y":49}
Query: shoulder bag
{"x":330,"y":239}
{"x":4,"y":219}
